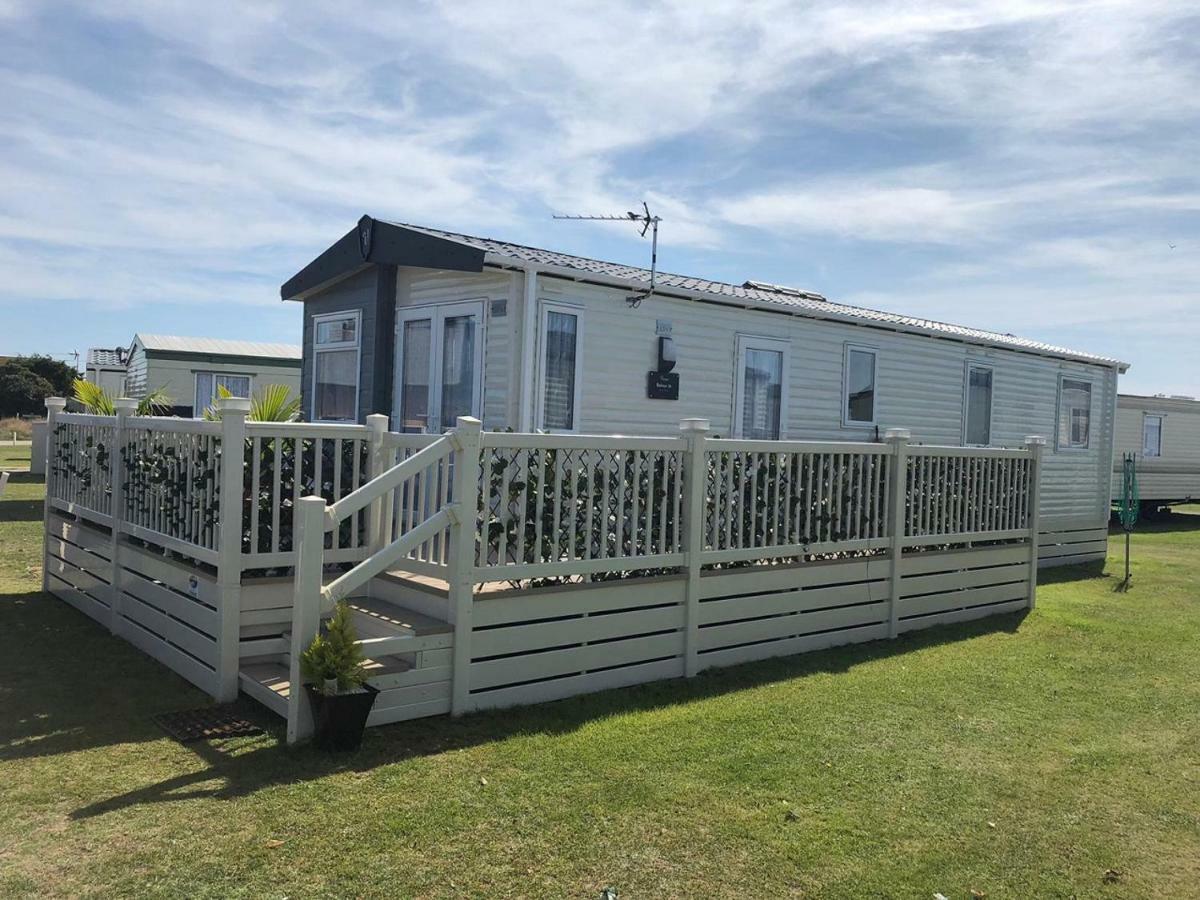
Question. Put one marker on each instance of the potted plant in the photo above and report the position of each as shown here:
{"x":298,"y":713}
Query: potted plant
{"x":336,"y":683}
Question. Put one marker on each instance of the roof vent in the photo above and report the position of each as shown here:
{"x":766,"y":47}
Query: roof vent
{"x":781,"y":289}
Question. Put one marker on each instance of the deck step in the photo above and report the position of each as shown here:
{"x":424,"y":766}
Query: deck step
{"x":267,"y":682}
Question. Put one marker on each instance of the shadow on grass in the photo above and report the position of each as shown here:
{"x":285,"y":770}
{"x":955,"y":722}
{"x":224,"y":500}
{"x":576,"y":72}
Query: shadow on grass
{"x":21,"y":510}
{"x":246,"y":766}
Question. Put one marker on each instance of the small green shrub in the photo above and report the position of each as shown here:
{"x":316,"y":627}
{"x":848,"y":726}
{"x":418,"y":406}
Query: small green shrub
{"x":334,"y":653}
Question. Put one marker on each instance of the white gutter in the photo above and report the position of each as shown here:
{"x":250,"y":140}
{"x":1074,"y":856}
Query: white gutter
{"x":528,"y":349}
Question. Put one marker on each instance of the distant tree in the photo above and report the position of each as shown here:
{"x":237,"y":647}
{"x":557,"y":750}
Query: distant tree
{"x":60,"y":375}
{"x":22,"y":391}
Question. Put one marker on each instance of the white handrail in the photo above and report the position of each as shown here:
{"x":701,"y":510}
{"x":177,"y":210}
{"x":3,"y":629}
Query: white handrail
{"x":388,"y":481}
{"x":378,"y":562}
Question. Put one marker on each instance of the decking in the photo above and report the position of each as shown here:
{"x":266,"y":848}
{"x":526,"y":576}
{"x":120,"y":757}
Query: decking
{"x":486,"y":570}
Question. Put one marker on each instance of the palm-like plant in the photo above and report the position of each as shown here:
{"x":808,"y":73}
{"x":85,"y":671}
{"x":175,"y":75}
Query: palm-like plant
{"x":99,"y":402}
{"x":272,"y":403}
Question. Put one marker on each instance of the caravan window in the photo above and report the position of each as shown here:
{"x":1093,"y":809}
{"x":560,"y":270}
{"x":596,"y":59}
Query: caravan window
{"x":760,"y":388}
{"x":1152,"y":436}
{"x":858,"y":386}
{"x":208,"y":388}
{"x":1074,"y":414}
{"x":335,"y":367}
{"x":978,"y":427}
{"x":559,"y":395}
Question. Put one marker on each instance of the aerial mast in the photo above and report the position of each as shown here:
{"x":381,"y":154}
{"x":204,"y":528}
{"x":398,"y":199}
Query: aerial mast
{"x":648,"y":223}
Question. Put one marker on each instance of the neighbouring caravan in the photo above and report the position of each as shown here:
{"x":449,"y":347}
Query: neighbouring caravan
{"x":193,"y":369}
{"x":106,"y":368}
{"x":1164,"y":433}
{"x":428,"y":325}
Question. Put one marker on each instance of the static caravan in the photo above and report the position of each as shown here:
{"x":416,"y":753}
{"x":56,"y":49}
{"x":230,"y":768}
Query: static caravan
{"x":193,"y":369}
{"x":1164,"y":433}
{"x":106,"y":368}
{"x":428,"y":325}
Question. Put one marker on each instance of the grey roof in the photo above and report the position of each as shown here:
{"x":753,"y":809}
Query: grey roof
{"x":104,"y":358}
{"x":175,"y":344}
{"x":756,"y":293}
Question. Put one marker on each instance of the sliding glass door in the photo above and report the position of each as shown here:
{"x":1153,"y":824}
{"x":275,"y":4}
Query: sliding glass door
{"x":439,"y":366}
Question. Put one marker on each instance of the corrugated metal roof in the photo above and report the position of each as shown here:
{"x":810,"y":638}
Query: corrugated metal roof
{"x":220,"y":346}
{"x":757,"y":293}
{"x":103,"y":357}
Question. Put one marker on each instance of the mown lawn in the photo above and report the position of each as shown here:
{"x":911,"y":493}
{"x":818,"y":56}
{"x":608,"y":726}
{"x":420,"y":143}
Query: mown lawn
{"x":1050,"y":755}
{"x":14,"y":456}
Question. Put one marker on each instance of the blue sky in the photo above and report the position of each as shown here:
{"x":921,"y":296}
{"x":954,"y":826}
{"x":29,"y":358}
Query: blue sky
{"x":1024,"y":166}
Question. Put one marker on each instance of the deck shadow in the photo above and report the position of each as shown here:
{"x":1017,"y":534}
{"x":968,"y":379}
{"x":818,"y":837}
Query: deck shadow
{"x":245,"y":766}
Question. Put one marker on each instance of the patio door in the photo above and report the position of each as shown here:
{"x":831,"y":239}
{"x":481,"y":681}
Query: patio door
{"x":439,"y":366}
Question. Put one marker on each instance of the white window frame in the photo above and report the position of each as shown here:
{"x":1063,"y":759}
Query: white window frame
{"x":742,"y":343}
{"x":437,"y":313}
{"x":847,"y":422}
{"x":1058,"y":444}
{"x":1162,"y":421}
{"x":318,"y":349}
{"x":966,"y":401}
{"x":196,"y":373}
{"x":547,"y":307}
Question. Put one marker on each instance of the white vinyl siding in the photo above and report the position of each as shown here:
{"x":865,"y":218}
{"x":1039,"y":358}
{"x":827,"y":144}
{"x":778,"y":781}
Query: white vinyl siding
{"x":337,"y":340}
{"x":1174,"y":474}
{"x":859,"y":385}
{"x":977,"y":404}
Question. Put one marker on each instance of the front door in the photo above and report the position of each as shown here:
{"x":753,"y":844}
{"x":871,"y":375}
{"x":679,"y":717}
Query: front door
{"x":439,"y":366}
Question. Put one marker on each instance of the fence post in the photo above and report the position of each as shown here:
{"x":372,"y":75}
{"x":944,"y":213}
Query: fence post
{"x":124,"y":407}
{"x":694,"y":486}
{"x":898,"y":438}
{"x":378,"y":424}
{"x":54,"y":405}
{"x":466,"y":437}
{"x":233,"y":412}
{"x":1036,"y":445}
{"x":309,"y":535}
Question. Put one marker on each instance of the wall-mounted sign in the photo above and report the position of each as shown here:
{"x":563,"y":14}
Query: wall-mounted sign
{"x":662,"y":327}
{"x":662,"y":385}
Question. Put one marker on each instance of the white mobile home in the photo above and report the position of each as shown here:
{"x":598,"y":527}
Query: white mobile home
{"x":1164,"y":433}
{"x":428,"y":325}
{"x":192,"y":370}
{"x":106,"y":368}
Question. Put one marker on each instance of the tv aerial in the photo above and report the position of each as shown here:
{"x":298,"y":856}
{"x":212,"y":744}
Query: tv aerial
{"x":648,"y":223}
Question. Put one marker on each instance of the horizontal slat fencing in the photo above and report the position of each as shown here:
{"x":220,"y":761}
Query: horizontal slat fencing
{"x":793,"y":498}
{"x":966,"y":492}
{"x":285,"y":461}
{"x":532,"y":646}
{"x":79,"y":470}
{"x":557,"y":505}
{"x":171,"y":470}
{"x":416,"y":500}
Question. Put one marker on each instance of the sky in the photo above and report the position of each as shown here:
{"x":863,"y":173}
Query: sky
{"x":1027,"y":166}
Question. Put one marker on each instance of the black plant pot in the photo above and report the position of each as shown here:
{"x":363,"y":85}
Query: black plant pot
{"x":339,"y":720}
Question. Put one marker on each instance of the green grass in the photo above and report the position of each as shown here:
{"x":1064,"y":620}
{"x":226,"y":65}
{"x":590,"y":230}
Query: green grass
{"x":1021,"y":756}
{"x":14,"y":457}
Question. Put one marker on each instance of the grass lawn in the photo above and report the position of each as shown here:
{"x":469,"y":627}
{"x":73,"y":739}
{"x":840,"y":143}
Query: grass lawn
{"x":14,"y":457}
{"x":1050,"y":755}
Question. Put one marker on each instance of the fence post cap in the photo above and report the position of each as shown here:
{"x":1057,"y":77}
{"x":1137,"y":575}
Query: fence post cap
{"x":693,"y":424}
{"x":377,"y":422}
{"x":1035,"y":440}
{"x":233,"y":405}
{"x":125,"y":405}
{"x":58,"y":404}
{"x":468,"y":423}
{"x":895,"y":435}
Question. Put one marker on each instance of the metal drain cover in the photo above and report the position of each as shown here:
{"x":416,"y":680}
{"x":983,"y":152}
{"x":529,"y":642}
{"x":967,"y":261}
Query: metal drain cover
{"x":206,"y":723}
